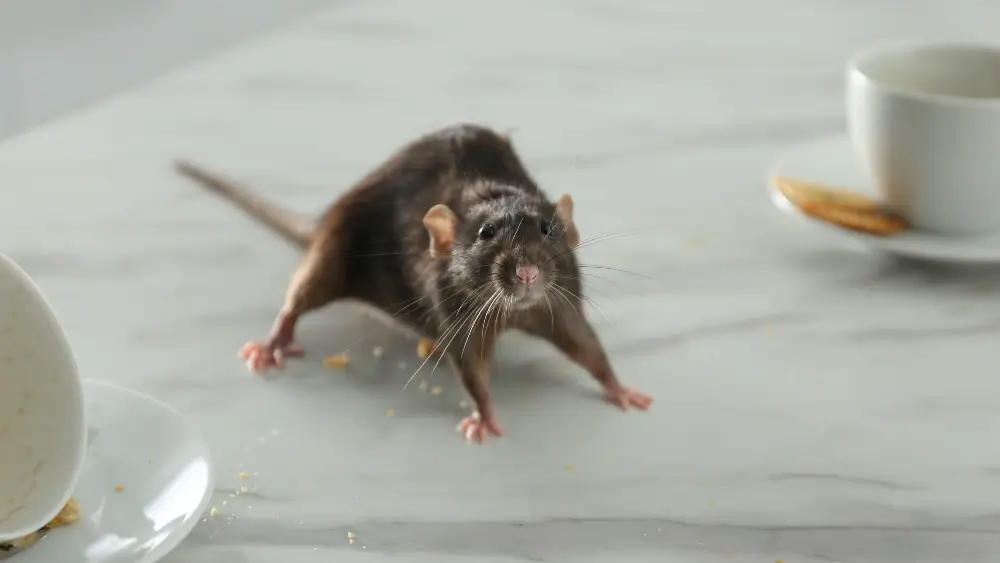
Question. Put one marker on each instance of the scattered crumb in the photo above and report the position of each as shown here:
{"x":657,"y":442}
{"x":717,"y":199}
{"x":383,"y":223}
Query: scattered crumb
{"x":351,"y":535}
{"x":213,"y":512}
{"x":119,"y":489}
{"x":422,"y":386}
{"x":378,"y":351}
{"x":778,"y":561}
{"x":390,"y":413}
{"x":569,"y":468}
{"x":351,"y":541}
{"x":225,"y":502}
{"x":437,"y":390}
{"x":424,"y":348}
{"x":337,"y":361}
{"x":244,"y":475}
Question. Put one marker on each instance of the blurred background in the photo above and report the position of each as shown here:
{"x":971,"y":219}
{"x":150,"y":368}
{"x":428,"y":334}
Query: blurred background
{"x":56,"y":55}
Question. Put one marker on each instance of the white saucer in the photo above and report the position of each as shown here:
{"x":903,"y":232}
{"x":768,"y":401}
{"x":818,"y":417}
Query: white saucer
{"x":161,"y":462}
{"x":831,"y":161}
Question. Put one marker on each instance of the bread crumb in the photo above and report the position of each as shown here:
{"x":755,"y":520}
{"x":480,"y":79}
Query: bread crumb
{"x":437,"y":390}
{"x":213,"y":512}
{"x":119,"y":489}
{"x":244,"y":475}
{"x":378,"y":351}
{"x":351,"y":535}
{"x":569,"y":468}
{"x":336,"y":361}
{"x":424,"y":348}
{"x":350,"y":541}
{"x":390,"y":413}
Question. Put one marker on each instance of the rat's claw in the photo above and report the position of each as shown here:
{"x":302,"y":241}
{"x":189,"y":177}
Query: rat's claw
{"x":626,"y":397}
{"x":262,"y":356}
{"x":475,"y":430}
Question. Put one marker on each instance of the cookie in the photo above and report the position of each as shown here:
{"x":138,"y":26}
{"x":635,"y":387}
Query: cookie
{"x":841,"y":207}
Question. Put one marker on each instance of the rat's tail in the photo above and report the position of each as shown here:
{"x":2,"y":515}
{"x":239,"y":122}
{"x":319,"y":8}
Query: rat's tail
{"x":296,"y":228}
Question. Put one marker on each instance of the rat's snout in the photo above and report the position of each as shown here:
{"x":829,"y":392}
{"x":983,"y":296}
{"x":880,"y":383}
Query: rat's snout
{"x":527,"y":275}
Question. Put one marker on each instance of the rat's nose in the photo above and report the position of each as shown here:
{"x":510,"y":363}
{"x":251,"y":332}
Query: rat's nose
{"x":527,"y":274}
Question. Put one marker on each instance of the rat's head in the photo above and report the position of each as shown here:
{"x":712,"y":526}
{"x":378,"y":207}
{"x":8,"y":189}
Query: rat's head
{"x":512,"y":246}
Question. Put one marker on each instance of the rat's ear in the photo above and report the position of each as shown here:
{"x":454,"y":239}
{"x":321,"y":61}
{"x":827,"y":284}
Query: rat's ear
{"x":442,"y":225}
{"x":564,"y":211}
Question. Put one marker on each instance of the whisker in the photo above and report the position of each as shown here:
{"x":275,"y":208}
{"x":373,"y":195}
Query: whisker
{"x":616,"y":270}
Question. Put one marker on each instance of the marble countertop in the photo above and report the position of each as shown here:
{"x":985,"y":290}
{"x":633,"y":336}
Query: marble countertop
{"x":814,"y":402}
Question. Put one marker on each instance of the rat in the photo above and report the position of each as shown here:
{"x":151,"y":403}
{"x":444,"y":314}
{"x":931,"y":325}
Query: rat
{"x":452,"y":237}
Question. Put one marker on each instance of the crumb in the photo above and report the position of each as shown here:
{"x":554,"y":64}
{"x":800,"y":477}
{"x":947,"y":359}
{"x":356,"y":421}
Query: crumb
{"x":213,"y":512}
{"x":378,"y":351}
{"x":351,"y":535}
{"x":119,"y":489}
{"x":390,"y":413}
{"x":711,"y":502}
{"x":694,"y":242}
{"x":351,"y":541}
{"x":569,"y":468}
{"x":422,"y":386}
{"x":69,"y":514}
{"x":336,"y":361}
{"x":225,"y":502}
{"x":424,"y":348}
{"x":244,"y":475}
{"x":437,"y":390}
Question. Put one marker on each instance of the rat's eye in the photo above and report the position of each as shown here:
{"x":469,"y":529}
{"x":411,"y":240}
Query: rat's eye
{"x":487,"y":231}
{"x":546,"y":227}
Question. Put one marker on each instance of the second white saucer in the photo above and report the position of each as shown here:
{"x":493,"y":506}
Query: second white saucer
{"x":831,"y":161}
{"x":146,"y":482}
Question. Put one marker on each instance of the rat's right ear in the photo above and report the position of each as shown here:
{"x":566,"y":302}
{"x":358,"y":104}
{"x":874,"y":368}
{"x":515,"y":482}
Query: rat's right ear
{"x":564,"y":211}
{"x":442,"y":224}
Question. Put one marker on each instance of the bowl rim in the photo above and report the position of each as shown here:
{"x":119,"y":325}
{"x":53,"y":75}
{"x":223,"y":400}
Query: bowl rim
{"x":10,"y":268}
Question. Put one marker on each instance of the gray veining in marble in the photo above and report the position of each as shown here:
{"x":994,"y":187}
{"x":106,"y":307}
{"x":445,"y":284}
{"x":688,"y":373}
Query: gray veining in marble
{"x":815,"y":402}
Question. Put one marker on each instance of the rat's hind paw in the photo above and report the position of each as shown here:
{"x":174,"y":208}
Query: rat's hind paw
{"x":262,"y":356}
{"x":476,"y":430}
{"x":626,"y":397}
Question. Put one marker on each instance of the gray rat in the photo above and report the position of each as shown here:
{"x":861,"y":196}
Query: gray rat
{"x":451,"y":236}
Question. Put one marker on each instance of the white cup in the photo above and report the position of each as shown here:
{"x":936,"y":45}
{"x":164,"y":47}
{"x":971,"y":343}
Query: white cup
{"x":42,"y":429}
{"x":924,"y":118}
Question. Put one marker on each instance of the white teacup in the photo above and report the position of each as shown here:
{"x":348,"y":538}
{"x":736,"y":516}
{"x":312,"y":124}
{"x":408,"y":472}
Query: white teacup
{"x":924,"y":118}
{"x":42,"y":430}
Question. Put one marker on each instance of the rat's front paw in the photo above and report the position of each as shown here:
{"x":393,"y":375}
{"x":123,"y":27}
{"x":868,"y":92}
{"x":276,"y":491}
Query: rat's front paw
{"x":626,"y":397}
{"x":262,"y":356}
{"x":476,"y":430}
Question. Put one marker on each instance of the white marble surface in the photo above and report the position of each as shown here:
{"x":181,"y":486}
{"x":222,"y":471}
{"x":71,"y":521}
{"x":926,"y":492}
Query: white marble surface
{"x":815,"y":402}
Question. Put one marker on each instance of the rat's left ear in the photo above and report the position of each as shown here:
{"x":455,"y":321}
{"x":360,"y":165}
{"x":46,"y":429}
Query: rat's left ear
{"x":441,"y":224}
{"x":564,"y":211}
